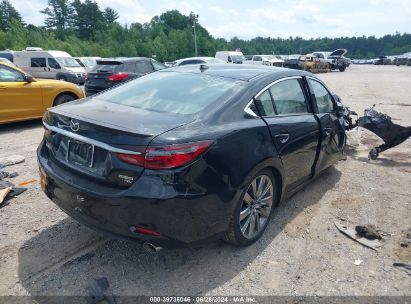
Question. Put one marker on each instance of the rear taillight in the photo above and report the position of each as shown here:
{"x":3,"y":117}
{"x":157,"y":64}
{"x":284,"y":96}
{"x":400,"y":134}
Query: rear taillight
{"x":118,"y":77}
{"x":167,"y":157}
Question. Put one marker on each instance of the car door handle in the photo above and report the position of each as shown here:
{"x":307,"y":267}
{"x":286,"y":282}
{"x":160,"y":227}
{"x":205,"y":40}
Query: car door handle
{"x":282,"y":138}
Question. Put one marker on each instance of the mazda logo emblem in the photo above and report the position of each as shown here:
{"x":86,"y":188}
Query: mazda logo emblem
{"x":74,"y":125}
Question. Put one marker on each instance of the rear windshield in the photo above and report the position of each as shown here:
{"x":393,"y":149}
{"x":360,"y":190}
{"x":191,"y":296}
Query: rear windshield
{"x":107,"y":67}
{"x":171,"y":92}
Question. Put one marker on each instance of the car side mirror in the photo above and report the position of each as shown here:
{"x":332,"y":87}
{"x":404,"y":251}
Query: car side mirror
{"x":340,"y":109}
{"x":28,"y":78}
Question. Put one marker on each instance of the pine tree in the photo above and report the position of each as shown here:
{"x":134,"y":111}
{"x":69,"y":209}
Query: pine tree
{"x":7,"y":13}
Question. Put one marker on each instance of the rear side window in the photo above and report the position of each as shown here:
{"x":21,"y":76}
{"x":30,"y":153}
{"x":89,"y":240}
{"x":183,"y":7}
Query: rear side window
{"x":191,"y":61}
{"x":144,"y":67}
{"x":265,"y":104}
{"x":38,"y":62}
{"x":170,"y":92}
{"x":322,"y":97}
{"x":288,"y":97}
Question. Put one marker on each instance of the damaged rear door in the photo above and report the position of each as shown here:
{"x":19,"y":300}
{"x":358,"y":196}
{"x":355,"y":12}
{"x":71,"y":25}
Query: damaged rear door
{"x":332,"y":133}
{"x":293,"y":127}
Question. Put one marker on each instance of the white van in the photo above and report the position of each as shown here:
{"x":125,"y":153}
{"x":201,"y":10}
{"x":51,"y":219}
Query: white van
{"x":50,"y":64}
{"x":230,"y":57}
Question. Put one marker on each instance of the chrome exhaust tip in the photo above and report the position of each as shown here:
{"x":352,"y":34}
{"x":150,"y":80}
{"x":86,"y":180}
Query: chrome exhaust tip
{"x":151,"y":248}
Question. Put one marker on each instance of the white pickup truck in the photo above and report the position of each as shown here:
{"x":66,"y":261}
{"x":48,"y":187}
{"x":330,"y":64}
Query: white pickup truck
{"x":272,"y":60}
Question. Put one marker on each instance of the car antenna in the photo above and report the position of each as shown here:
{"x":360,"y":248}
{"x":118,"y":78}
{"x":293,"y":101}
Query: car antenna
{"x":203,"y":67}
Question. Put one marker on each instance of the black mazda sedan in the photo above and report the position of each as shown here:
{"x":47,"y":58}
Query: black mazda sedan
{"x":190,"y":154}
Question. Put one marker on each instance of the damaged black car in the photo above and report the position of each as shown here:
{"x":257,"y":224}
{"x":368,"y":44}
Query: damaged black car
{"x":190,"y":154}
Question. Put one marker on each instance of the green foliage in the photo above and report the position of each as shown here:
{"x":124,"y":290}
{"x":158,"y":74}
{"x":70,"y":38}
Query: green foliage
{"x":82,"y":28}
{"x":7,"y":14}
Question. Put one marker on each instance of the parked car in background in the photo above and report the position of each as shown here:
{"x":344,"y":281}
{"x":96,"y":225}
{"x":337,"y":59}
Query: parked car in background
{"x":7,"y":54}
{"x":5,"y":60}
{"x":230,"y":57}
{"x":22,"y":97}
{"x":270,"y":60}
{"x":87,"y":62}
{"x":188,"y":155}
{"x":382,"y":60}
{"x":336,"y":59}
{"x":50,"y":64}
{"x":198,"y":60}
{"x":292,"y":62}
{"x":313,"y":64}
{"x":110,"y":72}
{"x":248,"y":57}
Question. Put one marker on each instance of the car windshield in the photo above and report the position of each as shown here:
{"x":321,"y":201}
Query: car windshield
{"x":237,"y":58}
{"x":171,"y":92}
{"x":68,"y":62}
{"x":107,"y":67}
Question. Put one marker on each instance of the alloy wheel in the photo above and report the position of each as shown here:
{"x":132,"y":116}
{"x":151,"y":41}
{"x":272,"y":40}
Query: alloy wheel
{"x":256,"y":206}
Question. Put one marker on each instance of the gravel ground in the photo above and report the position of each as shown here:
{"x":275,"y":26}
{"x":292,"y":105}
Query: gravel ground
{"x":43,"y":252}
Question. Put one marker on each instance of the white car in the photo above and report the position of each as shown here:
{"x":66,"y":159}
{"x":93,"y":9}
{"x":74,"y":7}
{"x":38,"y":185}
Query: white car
{"x":198,"y":60}
{"x":87,"y":62}
{"x":230,"y":56}
{"x":271,"y":60}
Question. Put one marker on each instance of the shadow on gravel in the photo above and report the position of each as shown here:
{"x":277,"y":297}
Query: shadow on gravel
{"x":17,"y":127}
{"x":62,"y":259}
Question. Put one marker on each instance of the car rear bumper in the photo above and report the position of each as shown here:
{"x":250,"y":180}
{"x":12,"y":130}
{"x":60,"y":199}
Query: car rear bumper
{"x":182,"y":219}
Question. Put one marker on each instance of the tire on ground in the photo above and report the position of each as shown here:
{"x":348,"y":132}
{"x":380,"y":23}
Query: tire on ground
{"x":63,"y":98}
{"x":234,"y":235}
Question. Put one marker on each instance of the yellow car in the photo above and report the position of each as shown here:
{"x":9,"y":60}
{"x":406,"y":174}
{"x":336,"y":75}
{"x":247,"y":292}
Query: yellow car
{"x":23,"y":97}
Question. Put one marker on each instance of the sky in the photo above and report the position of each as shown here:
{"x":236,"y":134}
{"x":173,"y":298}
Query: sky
{"x":266,"y":18}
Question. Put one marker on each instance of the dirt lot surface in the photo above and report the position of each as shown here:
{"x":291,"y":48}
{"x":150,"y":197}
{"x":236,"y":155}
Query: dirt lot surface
{"x":43,"y":252}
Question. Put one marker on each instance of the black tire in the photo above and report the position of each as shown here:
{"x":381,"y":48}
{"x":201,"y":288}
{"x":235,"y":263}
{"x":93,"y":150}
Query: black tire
{"x":63,"y":98}
{"x":234,"y":235}
{"x":342,"y":68}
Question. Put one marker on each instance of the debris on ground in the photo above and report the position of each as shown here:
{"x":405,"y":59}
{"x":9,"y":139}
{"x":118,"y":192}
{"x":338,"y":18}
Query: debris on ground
{"x":96,"y":289}
{"x":28,"y":182}
{"x":3,"y":194}
{"x":11,"y":160}
{"x":403,"y":266}
{"x":407,"y":240}
{"x":7,"y":191}
{"x":352,"y":233}
{"x":358,"y":262}
{"x":368,"y":231}
{"x":4,"y":174}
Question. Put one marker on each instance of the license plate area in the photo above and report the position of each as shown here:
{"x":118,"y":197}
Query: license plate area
{"x":80,"y":153}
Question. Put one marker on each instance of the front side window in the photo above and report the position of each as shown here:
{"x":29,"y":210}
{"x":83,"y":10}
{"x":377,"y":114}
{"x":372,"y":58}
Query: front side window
{"x":9,"y":75}
{"x":53,"y":63}
{"x":38,"y":62}
{"x":257,"y":58}
{"x":288,"y":97}
{"x":322,"y":97}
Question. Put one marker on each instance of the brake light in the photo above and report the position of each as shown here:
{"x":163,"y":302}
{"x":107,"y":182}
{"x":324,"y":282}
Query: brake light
{"x":167,"y":157}
{"x":145,"y":231}
{"x":118,"y":77}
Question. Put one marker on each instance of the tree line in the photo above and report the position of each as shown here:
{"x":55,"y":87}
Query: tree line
{"x":83,"y":28}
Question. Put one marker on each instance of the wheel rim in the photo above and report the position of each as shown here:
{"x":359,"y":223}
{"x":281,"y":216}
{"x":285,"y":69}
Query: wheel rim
{"x":256,"y":206}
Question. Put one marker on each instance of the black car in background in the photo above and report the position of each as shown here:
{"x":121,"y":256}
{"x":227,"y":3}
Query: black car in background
{"x":190,"y":154}
{"x":112,"y":71}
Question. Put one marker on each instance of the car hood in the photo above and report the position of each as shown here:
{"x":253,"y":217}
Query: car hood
{"x":122,"y":117}
{"x":338,"y":52}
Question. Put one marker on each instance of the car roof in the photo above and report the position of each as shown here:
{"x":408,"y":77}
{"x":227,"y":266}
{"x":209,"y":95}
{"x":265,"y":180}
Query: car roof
{"x":237,"y":71}
{"x":124,"y":59}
